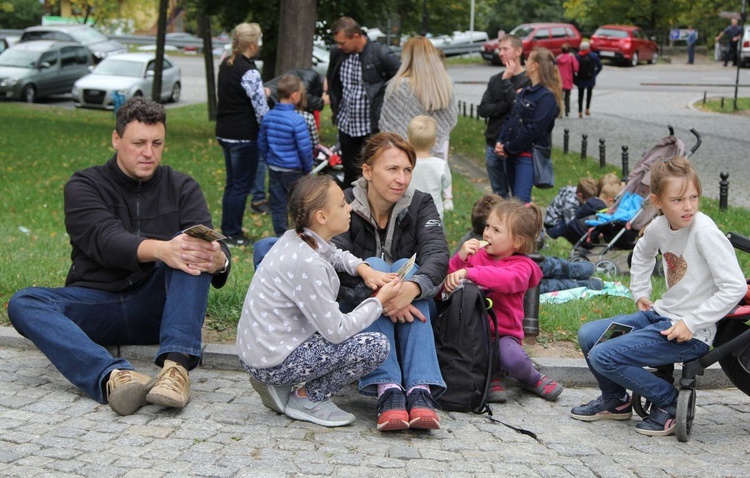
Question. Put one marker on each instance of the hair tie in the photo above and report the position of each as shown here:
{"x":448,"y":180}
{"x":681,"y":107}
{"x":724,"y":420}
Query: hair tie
{"x":528,"y":204}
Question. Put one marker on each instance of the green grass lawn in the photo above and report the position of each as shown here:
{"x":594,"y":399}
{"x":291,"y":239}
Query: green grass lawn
{"x":724,"y":105}
{"x":40,"y":148}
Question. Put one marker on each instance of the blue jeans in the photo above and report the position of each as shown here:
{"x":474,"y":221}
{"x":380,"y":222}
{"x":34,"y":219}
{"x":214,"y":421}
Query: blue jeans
{"x":691,"y":54}
{"x":241,"y":160}
{"x":279,"y":185}
{"x":261,"y":248}
{"x":520,"y":177}
{"x":71,"y":325}
{"x":258,"y":191}
{"x":618,"y":363}
{"x":496,"y":172}
{"x":413,"y":358}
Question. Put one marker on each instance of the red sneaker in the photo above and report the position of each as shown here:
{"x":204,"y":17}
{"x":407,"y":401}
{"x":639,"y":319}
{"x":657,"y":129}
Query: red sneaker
{"x":392,"y":413}
{"x":422,"y":412}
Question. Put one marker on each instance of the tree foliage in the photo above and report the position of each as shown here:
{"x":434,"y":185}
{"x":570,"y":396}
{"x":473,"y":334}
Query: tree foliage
{"x":508,"y":14}
{"x":19,"y":14}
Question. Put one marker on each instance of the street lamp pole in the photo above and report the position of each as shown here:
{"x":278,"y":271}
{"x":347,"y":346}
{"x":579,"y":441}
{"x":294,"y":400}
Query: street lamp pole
{"x":471,"y":22}
{"x":738,"y":53}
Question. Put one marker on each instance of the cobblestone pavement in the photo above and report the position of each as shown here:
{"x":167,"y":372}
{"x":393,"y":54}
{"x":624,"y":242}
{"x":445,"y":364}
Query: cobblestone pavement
{"x":47,"y":428}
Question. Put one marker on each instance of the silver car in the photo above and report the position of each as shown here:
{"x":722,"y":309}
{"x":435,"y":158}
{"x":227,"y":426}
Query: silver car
{"x":33,"y":70}
{"x":129,"y":75}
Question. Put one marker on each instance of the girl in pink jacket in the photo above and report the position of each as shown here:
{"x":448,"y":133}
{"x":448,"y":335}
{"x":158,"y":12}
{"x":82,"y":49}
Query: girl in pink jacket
{"x":567,"y":65}
{"x":500,"y":264}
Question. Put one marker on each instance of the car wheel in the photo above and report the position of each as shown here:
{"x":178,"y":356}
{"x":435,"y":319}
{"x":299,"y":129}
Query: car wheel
{"x":634,"y":60}
{"x":654,"y":59}
{"x":28,"y":94}
{"x":176,"y":90}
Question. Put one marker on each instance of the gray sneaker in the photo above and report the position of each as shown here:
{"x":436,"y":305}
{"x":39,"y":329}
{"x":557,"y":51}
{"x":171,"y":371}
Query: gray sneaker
{"x":324,"y":413}
{"x":274,"y":397}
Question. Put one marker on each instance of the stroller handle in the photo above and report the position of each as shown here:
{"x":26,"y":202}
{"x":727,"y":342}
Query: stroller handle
{"x":697,"y":144}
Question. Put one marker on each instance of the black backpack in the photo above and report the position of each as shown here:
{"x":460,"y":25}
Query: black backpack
{"x":586,"y":67}
{"x":466,"y":350}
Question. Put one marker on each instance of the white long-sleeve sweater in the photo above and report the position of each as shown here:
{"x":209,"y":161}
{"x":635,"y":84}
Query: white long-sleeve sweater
{"x":704,"y":280}
{"x":292,"y":296}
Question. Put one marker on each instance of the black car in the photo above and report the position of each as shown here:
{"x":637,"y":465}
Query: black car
{"x":100,"y":46}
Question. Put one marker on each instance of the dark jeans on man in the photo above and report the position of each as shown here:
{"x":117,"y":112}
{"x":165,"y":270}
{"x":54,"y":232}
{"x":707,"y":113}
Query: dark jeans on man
{"x":71,"y":325}
{"x":351,"y":156}
{"x":731,"y":53}
{"x":691,"y":54}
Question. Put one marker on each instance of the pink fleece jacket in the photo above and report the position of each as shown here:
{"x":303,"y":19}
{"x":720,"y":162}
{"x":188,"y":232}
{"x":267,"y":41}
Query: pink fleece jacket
{"x":506,"y":281}
{"x":567,"y":65}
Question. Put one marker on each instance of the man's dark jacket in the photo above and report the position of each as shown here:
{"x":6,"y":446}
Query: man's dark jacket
{"x":497,"y":102}
{"x":108,"y":215}
{"x":379,"y":65}
{"x":313,"y":88}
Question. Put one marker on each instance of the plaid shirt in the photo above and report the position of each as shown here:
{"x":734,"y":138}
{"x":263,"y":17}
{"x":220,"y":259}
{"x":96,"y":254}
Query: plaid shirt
{"x":354,"y":111}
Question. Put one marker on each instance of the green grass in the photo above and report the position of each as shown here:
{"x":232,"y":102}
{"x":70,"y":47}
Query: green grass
{"x":42,"y":146}
{"x":715,"y":105}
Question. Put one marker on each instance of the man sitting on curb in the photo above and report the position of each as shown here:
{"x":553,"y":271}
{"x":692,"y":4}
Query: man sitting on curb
{"x":136,"y":279}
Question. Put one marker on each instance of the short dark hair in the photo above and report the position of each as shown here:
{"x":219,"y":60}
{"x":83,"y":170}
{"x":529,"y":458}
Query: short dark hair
{"x":481,"y":210}
{"x":348,"y":25}
{"x":139,"y":108}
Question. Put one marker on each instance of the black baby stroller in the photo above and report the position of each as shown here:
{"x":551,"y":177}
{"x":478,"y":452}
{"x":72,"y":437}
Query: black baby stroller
{"x":618,"y":228}
{"x":731,"y":350}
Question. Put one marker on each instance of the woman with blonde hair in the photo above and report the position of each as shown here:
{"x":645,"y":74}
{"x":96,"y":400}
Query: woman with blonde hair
{"x":241,"y":107}
{"x":421,"y":87}
{"x":531,"y":121}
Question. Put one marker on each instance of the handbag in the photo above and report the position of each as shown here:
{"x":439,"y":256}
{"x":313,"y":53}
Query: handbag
{"x":544,"y":174}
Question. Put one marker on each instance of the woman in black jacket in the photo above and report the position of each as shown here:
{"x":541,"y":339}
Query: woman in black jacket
{"x":242,"y":105}
{"x":390,"y":222}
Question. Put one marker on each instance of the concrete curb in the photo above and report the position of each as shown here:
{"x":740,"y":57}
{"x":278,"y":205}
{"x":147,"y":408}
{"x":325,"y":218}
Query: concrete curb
{"x":570,"y":372}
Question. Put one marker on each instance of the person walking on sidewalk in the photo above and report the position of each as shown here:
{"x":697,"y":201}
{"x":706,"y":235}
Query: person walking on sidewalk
{"x":589,"y":66}
{"x":734,"y":33}
{"x":136,"y":279}
{"x":567,"y":65}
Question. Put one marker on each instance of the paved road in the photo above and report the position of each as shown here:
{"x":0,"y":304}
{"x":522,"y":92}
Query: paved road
{"x":49,"y":429}
{"x":627,"y":111}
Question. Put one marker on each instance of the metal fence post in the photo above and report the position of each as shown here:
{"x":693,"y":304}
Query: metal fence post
{"x":723,"y":191}
{"x":584,"y":145}
{"x":602,"y":153}
{"x":566,"y":140}
{"x":625,"y":165}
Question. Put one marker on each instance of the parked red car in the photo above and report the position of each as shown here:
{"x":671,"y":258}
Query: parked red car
{"x":548,"y":35}
{"x":624,"y":43}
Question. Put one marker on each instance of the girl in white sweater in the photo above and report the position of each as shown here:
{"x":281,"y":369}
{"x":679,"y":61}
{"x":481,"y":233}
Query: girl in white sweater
{"x":704,"y":282}
{"x":291,"y":330}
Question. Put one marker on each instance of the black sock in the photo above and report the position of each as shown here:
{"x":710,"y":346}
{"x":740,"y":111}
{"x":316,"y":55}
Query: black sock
{"x":179,"y":358}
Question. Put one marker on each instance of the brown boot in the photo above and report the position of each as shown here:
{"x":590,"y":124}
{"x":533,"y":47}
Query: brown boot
{"x":588,"y":113}
{"x":580,"y":115}
{"x":172,"y":387}
{"x":126,"y":390}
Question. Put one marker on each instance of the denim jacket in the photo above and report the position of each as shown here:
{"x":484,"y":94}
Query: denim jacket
{"x":530,"y":122}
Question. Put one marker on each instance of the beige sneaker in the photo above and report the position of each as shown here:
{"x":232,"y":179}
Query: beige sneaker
{"x":172,"y":387}
{"x":126,"y":390}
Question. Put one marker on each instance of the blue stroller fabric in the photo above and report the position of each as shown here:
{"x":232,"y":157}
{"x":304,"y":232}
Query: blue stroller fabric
{"x":629,"y":205}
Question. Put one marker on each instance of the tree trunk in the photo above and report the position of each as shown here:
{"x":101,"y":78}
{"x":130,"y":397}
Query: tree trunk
{"x":204,"y":30}
{"x":160,"y":35}
{"x":296,"y":31}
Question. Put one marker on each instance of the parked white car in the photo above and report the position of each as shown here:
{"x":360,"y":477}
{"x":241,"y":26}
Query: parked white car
{"x":129,"y":74}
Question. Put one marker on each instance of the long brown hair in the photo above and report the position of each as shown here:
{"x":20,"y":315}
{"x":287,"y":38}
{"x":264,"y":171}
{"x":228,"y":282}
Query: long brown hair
{"x":380,"y":142}
{"x":677,"y":167}
{"x":524,"y":221}
{"x":549,"y":75}
{"x":309,"y":194}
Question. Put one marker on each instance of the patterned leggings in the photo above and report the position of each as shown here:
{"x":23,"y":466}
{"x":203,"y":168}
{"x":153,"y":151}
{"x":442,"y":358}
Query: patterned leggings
{"x":325,"y":366}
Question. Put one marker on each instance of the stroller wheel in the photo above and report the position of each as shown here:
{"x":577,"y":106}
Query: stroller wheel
{"x":685,"y":414}
{"x":641,"y":406}
{"x":578,"y":258}
{"x":608,"y":268}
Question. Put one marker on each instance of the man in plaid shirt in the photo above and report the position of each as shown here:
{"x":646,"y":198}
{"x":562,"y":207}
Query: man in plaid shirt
{"x":357,"y":75}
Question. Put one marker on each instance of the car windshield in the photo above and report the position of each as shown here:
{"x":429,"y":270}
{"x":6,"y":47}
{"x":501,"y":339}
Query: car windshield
{"x":19,"y":58}
{"x":522,"y":31}
{"x":119,"y":68}
{"x":610,"y":32}
{"x":87,"y":36}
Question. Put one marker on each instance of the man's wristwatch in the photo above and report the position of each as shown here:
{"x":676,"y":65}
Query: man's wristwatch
{"x":226,"y":265}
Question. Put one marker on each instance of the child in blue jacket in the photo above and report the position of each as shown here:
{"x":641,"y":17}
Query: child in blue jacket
{"x":285,"y":144}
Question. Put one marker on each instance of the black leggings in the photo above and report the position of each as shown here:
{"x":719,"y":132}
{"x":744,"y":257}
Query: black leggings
{"x":589,"y":91}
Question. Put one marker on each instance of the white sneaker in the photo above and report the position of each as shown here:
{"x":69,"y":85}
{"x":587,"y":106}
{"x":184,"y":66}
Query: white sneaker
{"x":324,"y":413}
{"x":274,"y":397}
